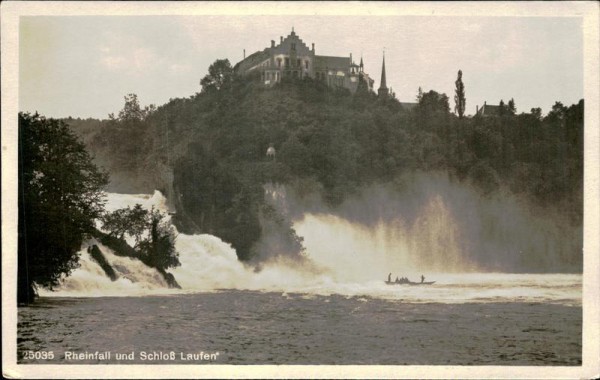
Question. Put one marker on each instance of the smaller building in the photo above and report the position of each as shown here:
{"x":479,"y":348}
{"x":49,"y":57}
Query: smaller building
{"x":487,"y":110}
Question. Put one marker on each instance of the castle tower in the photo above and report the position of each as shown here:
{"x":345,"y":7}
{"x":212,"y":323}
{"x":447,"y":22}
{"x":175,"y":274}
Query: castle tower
{"x":383,"y":90}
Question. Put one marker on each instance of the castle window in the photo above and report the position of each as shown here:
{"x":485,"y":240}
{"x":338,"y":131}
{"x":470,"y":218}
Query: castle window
{"x":293,"y":46}
{"x":279,"y":62}
{"x":298,"y":64}
{"x":306,"y":64}
{"x":287,"y":62}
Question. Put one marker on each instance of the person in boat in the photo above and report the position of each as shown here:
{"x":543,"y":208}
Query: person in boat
{"x":389,"y":277}
{"x":422,"y":278}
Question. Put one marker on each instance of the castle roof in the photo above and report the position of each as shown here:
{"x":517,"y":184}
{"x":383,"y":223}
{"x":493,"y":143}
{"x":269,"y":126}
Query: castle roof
{"x":488,"y":109}
{"x":323,"y":62}
{"x":253,"y":59}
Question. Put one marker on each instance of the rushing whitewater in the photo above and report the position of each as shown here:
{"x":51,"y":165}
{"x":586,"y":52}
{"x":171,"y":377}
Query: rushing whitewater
{"x":347,"y":259}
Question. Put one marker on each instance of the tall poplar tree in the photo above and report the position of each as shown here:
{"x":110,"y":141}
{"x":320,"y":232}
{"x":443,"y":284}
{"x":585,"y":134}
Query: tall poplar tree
{"x":459,"y":97}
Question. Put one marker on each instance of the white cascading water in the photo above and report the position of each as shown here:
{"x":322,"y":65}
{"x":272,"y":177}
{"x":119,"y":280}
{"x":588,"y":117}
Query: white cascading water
{"x":352,"y":260}
{"x":367,"y":252}
{"x":207,"y":264}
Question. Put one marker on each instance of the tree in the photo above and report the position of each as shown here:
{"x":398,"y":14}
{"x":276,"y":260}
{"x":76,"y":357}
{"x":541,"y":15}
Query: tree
{"x":537,"y":113}
{"x":511,"y":106}
{"x":60,"y":196}
{"x":153,"y":233}
{"x":126,"y":137}
{"x":419,"y":94}
{"x":219,"y":74}
{"x":501,"y":108}
{"x":557,"y":113}
{"x":130,"y":221}
{"x":132,"y":111}
{"x":158,"y":248}
{"x":362,"y":87}
{"x":459,"y":96}
{"x":433,"y":102}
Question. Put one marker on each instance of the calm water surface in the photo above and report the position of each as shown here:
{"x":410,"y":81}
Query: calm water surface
{"x":251,"y":327}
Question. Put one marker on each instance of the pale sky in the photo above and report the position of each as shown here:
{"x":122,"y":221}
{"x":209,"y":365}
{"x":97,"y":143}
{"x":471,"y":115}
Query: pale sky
{"x":83,"y":66}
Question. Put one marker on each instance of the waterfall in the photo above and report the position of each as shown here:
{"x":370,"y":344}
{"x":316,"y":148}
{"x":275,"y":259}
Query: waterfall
{"x":346,"y":257}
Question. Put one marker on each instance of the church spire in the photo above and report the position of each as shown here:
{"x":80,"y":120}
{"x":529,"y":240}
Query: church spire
{"x":383,"y":90}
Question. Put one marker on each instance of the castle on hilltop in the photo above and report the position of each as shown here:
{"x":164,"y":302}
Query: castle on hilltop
{"x":291,"y":58}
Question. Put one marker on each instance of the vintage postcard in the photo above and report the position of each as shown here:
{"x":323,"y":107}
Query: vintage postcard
{"x":291,"y":190}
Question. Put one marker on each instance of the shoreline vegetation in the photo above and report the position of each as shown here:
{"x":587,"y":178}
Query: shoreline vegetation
{"x":207,"y":154}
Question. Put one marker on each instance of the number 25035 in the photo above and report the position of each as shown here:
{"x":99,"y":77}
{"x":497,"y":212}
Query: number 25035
{"x":38,"y":355}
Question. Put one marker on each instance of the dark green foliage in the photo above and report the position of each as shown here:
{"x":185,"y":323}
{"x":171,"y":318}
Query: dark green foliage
{"x":59,"y":198}
{"x":280,"y":239}
{"x":541,"y":159}
{"x":537,"y":113}
{"x":484,"y":176}
{"x":154,"y":236}
{"x":130,"y":221}
{"x":433,"y":104}
{"x":132,"y":111}
{"x":121,"y":145}
{"x":218,"y":200}
{"x":158,"y":247}
{"x":511,"y":107}
{"x":220,"y":74}
{"x":362,"y":87}
{"x":502,"y":108}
